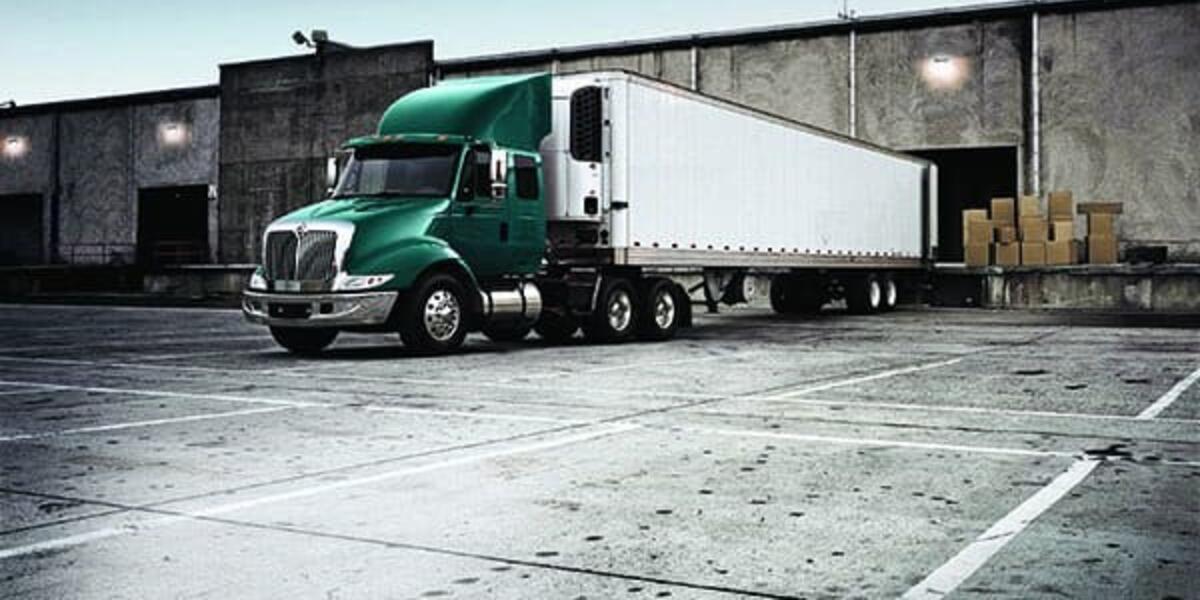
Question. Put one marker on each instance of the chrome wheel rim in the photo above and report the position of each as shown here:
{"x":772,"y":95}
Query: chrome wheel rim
{"x":891,"y":293}
{"x":874,"y":293}
{"x":620,"y":310}
{"x":664,"y":309}
{"x":442,"y":315}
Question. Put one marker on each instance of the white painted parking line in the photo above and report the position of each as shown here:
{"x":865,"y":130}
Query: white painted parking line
{"x":946,"y":578}
{"x":628,"y":366}
{"x":866,"y":378}
{"x":150,"y":423}
{"x":877,"y":442}
{"x":293,"y":403}
{"x":1169,"y":398}
{"x":18,"y":392}
{"x":125,"y":365}
{"x":206,"y":340}
{"x":220,"y":509}
{"x":950,"y":408}
{"x":949,"y":576}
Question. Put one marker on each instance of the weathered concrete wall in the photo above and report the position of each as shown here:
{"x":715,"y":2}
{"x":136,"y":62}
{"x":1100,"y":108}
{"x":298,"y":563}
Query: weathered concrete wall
{"x":1121,"y":288}
{"x":1121,"y":117}
{"x":979,"y":101}
{"x":105,"y":155}
{"x":281,"y":119}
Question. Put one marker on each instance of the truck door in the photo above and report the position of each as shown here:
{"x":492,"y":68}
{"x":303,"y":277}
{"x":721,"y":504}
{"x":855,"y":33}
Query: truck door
{"x":478,"y":223}
{"x":527,"y":213}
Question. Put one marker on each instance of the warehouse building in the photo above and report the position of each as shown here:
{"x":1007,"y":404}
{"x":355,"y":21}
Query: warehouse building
{"x":1098,"y":97}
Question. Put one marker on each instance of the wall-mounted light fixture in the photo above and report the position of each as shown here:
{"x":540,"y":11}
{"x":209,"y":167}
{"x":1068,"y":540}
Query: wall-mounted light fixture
{"x":172,"y":133}
{"x":944,"y":72}
{"x":15,"y":146}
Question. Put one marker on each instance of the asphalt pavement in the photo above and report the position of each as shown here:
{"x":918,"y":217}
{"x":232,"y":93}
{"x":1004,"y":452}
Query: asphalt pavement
{"x":927,"y":453}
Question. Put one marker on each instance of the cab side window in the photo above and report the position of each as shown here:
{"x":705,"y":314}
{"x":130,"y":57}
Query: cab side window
{"x":475,"y":181}
{"x":526,"y":176}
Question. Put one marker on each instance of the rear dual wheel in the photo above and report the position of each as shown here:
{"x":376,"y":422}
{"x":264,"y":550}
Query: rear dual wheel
{"x":871,"y":293}
{"x":652,"y":311}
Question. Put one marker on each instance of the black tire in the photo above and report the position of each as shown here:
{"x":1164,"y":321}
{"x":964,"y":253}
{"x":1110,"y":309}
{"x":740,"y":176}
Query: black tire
{"x":792,"y":295}
{"x":658,"y":311}
{"x":303,"y":340}
{"x":556,"y":328}
{"x":891,"y":293}
{"x":615,"y":317}
{"x":864,"y":294}
{"x":434,"y":316}
{"x":507,"y":332}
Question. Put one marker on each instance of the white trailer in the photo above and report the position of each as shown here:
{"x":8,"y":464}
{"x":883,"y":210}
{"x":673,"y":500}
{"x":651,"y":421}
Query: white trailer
{"x":644,"y":174}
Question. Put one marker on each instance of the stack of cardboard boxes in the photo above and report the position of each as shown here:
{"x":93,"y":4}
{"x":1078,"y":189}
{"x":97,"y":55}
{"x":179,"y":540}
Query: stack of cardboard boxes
{"x":1101,"y":234}
{"x":1014,"y":234}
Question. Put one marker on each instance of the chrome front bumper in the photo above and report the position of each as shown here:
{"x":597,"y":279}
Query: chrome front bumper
{"x":317,"y":310}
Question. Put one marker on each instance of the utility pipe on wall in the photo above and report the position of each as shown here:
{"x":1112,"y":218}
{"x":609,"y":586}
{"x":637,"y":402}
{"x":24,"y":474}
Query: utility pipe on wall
{"x":853,"y":88}
{"x":1035,"y":112}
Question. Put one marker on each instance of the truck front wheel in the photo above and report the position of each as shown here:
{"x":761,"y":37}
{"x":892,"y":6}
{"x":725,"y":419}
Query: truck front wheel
{"x":615,"y":316}
{"x":433,"y":318}
{"x":303,"y":340}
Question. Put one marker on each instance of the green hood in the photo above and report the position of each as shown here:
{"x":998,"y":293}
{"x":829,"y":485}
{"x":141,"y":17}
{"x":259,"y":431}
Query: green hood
{"x":385,"y":232}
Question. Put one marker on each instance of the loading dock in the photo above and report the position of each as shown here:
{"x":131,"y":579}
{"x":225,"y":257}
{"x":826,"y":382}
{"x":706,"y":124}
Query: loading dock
{"x":21,"y":230}
{"x":173,"y":225}
{"x":968,"y":178}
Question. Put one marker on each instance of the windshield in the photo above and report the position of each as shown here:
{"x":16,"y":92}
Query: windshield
{"x":399,"y":170}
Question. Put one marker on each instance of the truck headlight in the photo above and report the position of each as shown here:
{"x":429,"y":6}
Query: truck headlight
{"x":257,"y":282}
{"x":346,"y":283}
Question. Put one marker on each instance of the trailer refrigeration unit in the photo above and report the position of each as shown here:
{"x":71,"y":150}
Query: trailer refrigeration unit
{"x":506,"y":204}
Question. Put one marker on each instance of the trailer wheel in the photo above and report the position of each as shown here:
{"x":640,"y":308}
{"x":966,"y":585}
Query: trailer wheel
{"x":434,"y":316}
{"x":556,"y":328}
{"x":302,"y":340}
{"x":615,"y":317}
{"x":659,"y":312}
{"x":864,"y":294}
{"x":891,"y":293}
{"x":792,"y":295}
{"x":508,"y":332}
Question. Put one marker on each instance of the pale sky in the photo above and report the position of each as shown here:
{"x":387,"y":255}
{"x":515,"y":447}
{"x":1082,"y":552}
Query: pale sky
{"x":66,"y":49}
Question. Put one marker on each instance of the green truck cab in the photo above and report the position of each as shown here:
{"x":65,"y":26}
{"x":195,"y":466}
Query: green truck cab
{"x":436,"y":226}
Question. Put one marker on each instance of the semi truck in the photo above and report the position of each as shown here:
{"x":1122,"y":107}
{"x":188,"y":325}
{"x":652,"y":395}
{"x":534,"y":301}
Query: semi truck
{"x":598,"y":202}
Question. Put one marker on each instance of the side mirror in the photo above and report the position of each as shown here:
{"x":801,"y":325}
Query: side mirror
{"x":499,"y":173}
{"x":331,"y":172}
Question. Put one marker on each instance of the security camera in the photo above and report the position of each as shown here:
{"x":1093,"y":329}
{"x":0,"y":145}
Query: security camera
{"x":300,"y":40}
{"x":320,"y":36}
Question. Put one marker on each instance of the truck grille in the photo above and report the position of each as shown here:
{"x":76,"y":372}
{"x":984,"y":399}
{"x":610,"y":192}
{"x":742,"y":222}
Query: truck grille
{"x":304,"y":256}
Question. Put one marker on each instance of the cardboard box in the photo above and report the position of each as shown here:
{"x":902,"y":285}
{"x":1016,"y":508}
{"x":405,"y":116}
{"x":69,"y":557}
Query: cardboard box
{"x":1007,"y":254}
{"x":1033,"y":253}
{"x":1060,"y":206}
{"x":979,"y":232}
{"x":1058,"y":252}
{"x":1033,"y":229}
{"x":1102,"y":249}
{"x":1062,"y":230}
{"x":1006,"y":234}
{"x":1004,"y":211}
{"x":1113,"y":208}
{"x":1031,"y":206}
{"x":1102,"y":224}
{"x":977,"y":255}
{"x":973,"y":214}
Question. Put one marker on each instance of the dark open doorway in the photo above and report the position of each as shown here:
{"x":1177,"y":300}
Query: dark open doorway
{"x":173,"y":225}
{"x":968,"y":178}
{"x":21,"y":230}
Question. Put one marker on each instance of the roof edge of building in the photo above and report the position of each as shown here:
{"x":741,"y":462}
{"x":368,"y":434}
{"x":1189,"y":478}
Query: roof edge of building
{"x":897,"y":20}
{"x":102,"y":102}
